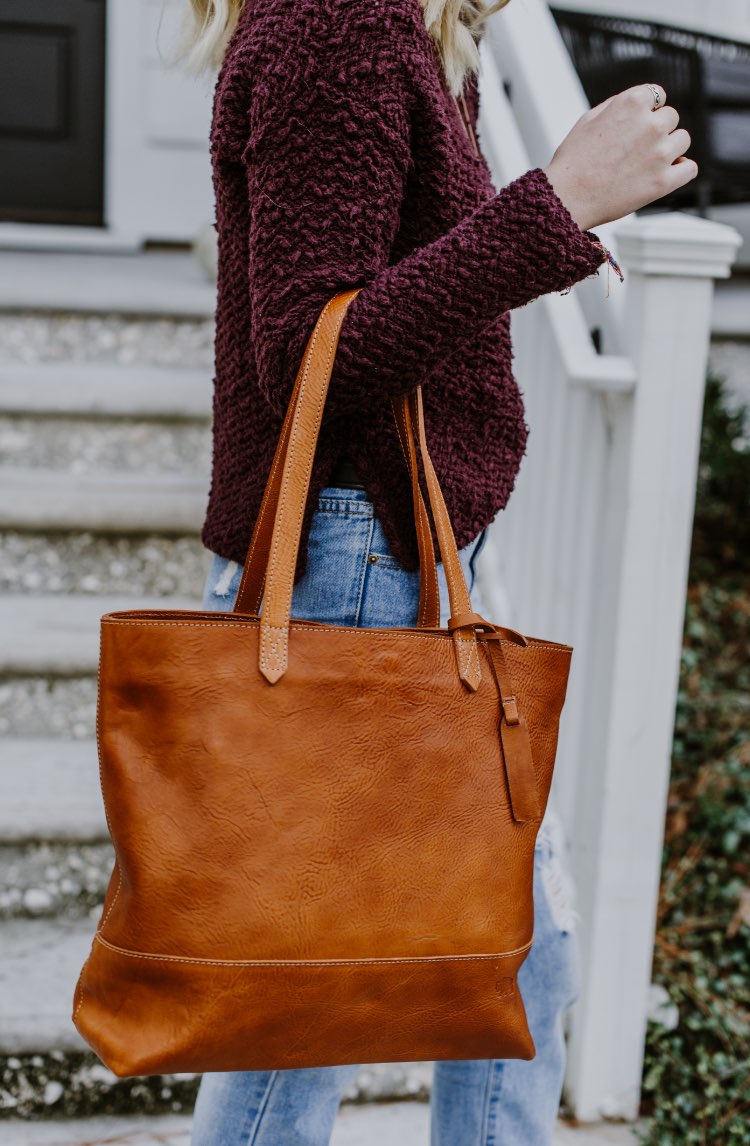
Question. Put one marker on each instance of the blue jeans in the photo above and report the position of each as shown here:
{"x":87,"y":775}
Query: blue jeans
{"x":352,"y":579}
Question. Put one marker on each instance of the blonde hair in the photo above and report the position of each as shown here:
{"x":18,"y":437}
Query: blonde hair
{"x":454,"y":25}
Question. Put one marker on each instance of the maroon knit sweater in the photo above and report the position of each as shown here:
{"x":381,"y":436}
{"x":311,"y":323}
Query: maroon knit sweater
{"x":340,"y":160}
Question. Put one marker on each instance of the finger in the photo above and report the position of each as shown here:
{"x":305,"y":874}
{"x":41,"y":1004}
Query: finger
{"x":679,"y":142}
{"x":650,"y":92}
{"x":683,"y":170}
{"x":667,"y":118}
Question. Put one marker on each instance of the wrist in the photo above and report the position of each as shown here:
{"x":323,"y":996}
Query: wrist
{"x":572,"y":196}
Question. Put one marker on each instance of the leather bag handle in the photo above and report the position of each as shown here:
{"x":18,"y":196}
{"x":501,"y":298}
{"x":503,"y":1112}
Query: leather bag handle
{"x":293,"y":485}
{"x":250,"y":593}
{"x":429,"y":590}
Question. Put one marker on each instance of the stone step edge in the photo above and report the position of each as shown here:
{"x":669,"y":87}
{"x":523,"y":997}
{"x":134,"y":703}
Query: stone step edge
{"x":58,"y":634}
{"x":104,"y":390}
{"x":164,"y":284}
{"x":40,"y":962}
{"x":111,"y":502}
{"x":361,"y":1121}
{"x":49,"y":790}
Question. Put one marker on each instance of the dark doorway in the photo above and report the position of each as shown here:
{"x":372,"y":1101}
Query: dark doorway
{"x":52,"y":111}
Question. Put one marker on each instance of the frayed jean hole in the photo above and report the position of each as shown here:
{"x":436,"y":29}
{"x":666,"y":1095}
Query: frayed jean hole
{"x":557,"y":881}
{"x":559,"y":891}
{"x":224,"y":583}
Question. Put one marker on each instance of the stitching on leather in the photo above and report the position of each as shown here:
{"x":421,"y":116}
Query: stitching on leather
{"x":80,"y":990}
{"x":261,"y":514}
{"x":418,"y":516}
{"x":285,"y":435}
{"x":467,"y":648}
{"x":101,"y":781}
{"x":436,"y":492}
{"x":432,"y":480}
{"x":474,"y":654}
{"x":308,"y":962}
{"x":289,"y":576}
{"x":81,"y":977}
{"x":305,"y":371}
{"x":363,"y":632}
{"x":305,"y":376}
{"x":269,"y":655}
{"x":117,"y":893}
{"x":421,"y":531}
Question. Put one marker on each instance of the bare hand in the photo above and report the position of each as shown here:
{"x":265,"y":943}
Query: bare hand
{"x":620,"y":156}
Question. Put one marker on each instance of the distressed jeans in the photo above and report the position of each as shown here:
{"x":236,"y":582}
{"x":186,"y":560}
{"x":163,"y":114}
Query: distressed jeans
{"x":352,"y":579}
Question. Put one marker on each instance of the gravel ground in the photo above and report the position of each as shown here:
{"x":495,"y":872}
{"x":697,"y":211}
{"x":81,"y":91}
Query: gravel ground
{"x":36,"y":706}
{"x":81,"y":445}
{"x":86,"y":563}
{"x":77,"y":1085}
{"x":32,"y":337}
{"x":61,"y":880}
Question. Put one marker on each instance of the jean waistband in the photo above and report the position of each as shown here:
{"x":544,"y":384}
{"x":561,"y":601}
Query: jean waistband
{"x":343,"y":493}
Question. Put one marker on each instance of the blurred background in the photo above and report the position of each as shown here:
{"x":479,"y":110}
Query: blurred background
{"x":628,"y":536}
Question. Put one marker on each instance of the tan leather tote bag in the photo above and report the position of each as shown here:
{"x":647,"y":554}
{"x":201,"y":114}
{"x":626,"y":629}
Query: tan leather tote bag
{"x":324,"y":835}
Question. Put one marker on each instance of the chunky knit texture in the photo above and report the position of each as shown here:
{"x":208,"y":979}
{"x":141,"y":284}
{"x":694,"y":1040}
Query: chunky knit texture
{"x":340,"y":160}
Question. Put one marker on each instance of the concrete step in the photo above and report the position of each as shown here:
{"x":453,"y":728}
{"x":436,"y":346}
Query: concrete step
{"x":107,"y":340}
{"x":51,"y":880}
{"x":146,"y":283}
{"x":39,"y":967}
{"x":96,"y":563}
{"x":105,"y":445}
{"x":388,"y":1124}
{"x":40,"y":706}
{"x":104,"y":389}
{"x":45,"y":500}
{"x":49,"y":790}
{"x":59,"y":635}
{"x":40,"y":964}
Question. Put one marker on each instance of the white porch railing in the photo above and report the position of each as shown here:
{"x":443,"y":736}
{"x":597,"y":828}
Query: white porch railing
{"x":593,"y":548}
{"x":730,"y":18}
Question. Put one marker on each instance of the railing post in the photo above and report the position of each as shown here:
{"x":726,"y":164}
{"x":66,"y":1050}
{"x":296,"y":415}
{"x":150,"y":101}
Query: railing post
{"x":618,"y":818}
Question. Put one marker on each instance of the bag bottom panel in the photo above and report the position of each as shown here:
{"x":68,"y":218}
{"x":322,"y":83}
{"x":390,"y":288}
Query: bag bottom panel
{"x":145,"y":1015}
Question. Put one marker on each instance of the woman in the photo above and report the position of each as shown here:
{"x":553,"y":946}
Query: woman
{"x":344,"y":154}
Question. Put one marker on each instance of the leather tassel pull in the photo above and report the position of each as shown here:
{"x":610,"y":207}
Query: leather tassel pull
{"x":516,"y":744}
{"x":519,"y":767}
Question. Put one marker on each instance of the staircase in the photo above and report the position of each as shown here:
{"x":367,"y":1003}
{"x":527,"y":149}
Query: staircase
{"x":105,"y":391}
{"x":104,"y":451}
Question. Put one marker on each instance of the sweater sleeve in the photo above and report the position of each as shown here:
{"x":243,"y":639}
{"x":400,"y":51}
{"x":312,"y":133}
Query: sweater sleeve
{"x":328,"y":161}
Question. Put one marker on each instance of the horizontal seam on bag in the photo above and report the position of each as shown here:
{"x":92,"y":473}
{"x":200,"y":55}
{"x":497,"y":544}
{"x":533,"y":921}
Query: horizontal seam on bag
{"x":307,"y":962}
{"x":367,"y":631}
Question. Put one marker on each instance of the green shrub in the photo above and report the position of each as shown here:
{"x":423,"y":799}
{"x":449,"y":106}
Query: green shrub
{"x":697,"y":1076}
{"x":721,"y":535}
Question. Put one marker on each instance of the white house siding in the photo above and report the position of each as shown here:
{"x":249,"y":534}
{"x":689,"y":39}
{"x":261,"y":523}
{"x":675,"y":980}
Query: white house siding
{"x":157,"y":184}
{"x":157,"y":168}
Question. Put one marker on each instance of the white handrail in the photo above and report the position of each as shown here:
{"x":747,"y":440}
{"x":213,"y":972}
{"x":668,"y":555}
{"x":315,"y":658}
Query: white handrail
{"x":730,"y":19}
{"x":508,"y":157}
{"x":593,"y":546}
{"x":547,"y":98}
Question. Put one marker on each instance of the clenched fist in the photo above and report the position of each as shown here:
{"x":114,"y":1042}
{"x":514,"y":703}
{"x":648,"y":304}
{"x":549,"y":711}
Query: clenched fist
{"x":621,"y":155}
